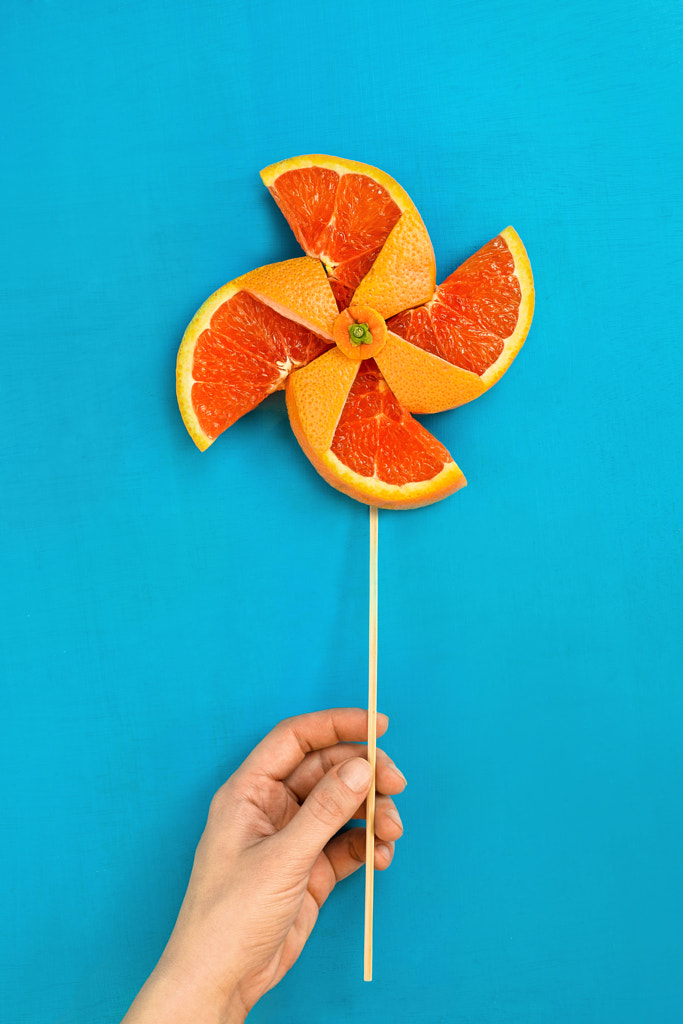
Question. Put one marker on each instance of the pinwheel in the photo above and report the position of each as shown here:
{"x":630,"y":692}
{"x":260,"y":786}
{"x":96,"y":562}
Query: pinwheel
{"x":360,"y":337}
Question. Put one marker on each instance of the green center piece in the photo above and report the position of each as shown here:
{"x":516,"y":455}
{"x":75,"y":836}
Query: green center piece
{"x":360,"y":334}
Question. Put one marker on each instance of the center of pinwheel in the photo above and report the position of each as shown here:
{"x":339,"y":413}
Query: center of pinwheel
{"x":360,"y":332}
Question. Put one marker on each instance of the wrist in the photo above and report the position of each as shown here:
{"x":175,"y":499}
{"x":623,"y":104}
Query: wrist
{"x":174,"y":996}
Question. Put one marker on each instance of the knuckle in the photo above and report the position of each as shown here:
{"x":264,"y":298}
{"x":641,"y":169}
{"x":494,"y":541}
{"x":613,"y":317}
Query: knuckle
{"x":327,"y":761}
{"x":280,"y":730}
{"x":225,"y":802}
{"x":218,"y":805}
{"x":327,"y":806}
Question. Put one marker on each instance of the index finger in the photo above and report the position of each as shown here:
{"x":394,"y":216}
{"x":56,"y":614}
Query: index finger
{"x":285,"y":746}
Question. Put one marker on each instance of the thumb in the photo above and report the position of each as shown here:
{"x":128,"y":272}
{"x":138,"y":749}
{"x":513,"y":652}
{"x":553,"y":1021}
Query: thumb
{"x":327,"y":808}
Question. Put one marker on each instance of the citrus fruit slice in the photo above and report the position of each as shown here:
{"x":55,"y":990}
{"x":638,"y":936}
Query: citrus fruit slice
{"x":362,"y":440}
{"x":422,"y":381}
{"x":460,"y":343}
{"x":316,"y":394}
{"x":362,"y":225}
{"x":246,"y":338}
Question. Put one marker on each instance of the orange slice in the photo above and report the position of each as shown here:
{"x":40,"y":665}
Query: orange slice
{"x":317,"y":395}
{"x":245,"y":340}
{"x":461,"y":342}
{"x":362,"y":225}
{"x":362,"y":441}
{"x":424,"y":382}
{"x":298,"y":289}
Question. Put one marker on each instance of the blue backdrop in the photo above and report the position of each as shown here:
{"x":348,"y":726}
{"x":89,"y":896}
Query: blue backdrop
{"x":162,"y":609}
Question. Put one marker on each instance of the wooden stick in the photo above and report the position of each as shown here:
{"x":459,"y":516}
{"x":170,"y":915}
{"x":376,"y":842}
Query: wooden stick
{"x":372,"y":750}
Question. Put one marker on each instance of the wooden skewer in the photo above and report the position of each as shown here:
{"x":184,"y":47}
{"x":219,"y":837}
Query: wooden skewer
{"x":372,"y":750}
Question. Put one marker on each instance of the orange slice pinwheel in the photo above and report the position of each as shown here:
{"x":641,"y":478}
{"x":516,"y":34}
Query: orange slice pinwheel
{"x":358,"y":333}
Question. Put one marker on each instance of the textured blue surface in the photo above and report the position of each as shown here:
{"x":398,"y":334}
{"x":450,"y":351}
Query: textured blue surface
{"x":161,"y":609}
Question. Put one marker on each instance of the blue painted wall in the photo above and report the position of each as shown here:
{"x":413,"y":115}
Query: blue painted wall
{"x":161,"y":609}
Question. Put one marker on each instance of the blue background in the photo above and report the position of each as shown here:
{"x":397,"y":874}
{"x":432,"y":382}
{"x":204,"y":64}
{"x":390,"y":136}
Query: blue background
{"x":162,"y":609}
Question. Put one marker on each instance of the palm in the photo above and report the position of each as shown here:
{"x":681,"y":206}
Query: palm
{"x":295,"y":897}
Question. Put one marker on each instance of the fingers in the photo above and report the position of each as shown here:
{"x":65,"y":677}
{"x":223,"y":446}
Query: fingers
{"x":343,"y":855}
{"x":316,"y":764}
{"x":346,"y":853}
{"x":388,"y":824}
{"x":288,"y":743}
{"x":326,"y":809}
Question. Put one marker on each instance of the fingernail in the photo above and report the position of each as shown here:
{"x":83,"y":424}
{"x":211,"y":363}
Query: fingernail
{"x":356,"y":773}
{"x":383,"y":850}
{"x":400,"y":775}
{"x":395,"y":817}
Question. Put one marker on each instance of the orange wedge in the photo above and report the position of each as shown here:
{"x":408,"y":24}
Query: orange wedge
{"x":361,"y":440}
{"x":245,"y":340}
{"x":362,"y":225}
{"x":316,"y":396}
{"x":424,"y":382}
{"x":460,"y":343}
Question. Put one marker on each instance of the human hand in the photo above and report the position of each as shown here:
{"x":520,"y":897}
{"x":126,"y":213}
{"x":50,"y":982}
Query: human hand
{"x":268,"y":859}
